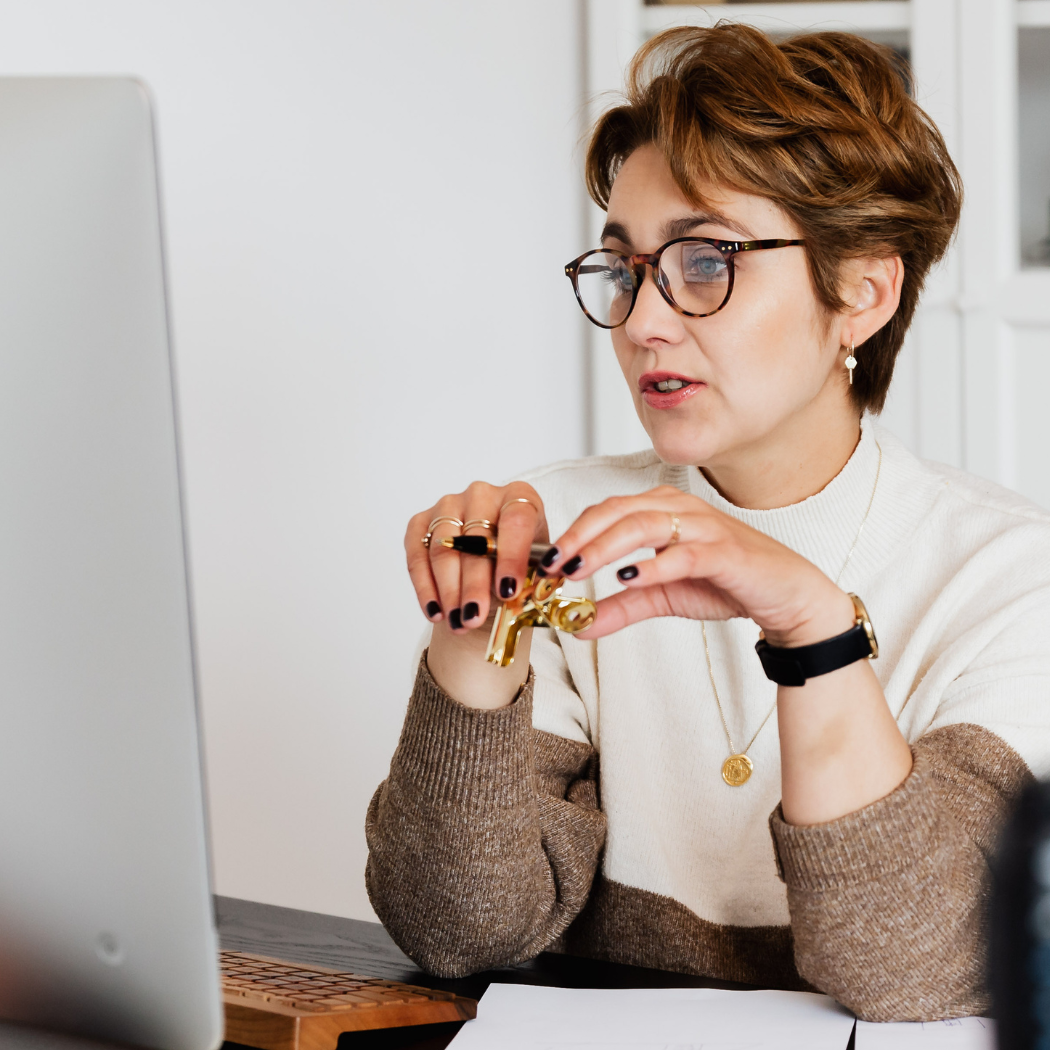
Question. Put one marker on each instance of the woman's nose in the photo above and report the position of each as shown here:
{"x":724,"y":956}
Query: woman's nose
{"x":653,"y":319}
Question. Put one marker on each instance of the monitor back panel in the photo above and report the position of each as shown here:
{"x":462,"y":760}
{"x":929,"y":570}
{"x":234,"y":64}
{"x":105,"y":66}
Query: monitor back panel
{"x":105,"y":913}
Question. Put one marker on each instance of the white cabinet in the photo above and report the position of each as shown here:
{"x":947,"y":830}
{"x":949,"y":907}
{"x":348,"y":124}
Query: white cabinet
{"x":972,"y":382}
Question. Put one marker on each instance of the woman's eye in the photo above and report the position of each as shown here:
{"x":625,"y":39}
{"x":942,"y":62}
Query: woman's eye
{"x":705,"y":265}
{"x":619,"y":279}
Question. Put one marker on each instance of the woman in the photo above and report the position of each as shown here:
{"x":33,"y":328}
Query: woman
{"x":773,"y":210}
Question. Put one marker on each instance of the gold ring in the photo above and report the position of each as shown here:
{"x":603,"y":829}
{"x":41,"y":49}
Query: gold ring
{"x":438,"y":521}
{"x":478,"y":523}
{"x":676,"y":530}
{"x":520,"y":499}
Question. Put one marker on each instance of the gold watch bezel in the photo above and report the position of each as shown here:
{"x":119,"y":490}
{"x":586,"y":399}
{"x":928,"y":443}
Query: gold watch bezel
{"x":864,"y":620}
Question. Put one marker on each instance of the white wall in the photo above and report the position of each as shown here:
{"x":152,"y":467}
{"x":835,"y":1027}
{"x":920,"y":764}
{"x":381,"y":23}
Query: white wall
{"x":368,"y":208}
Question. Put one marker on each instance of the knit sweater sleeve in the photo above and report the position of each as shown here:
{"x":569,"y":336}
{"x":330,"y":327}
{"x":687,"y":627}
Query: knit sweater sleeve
{"x":887,"y":904}
{"x":485,"y":837}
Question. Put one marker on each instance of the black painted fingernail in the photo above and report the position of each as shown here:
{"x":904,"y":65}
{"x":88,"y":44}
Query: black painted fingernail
{"x":470,"y":611}
{"x":433,"y":609}
{"x":455,"y":619}
{"x":507,"y":586}
{"x":628,"y":572}
{"x":572,"y":565}
{"x":541,"y":571}
{"x":550,"y":557}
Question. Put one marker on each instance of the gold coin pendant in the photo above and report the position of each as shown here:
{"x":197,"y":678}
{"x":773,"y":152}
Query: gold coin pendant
{"x":737,"y":770}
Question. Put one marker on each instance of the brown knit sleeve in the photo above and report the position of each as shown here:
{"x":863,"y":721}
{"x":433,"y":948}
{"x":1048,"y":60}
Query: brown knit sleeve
{"x":484,"y":839}
{"x":888,"y":904}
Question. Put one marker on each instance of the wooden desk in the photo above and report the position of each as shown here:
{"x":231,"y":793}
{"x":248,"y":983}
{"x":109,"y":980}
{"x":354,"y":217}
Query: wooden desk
{"x":366,"y":948}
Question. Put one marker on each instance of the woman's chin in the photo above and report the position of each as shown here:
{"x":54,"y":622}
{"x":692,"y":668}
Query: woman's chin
{"x":685,"y":435}
{"x":681,"y":445}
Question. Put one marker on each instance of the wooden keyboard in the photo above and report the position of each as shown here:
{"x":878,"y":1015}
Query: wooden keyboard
{"x":277,"y":1005}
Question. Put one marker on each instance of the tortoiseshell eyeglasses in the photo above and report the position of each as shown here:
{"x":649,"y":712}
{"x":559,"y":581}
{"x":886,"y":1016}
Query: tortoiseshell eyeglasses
{"x":694,"y":275}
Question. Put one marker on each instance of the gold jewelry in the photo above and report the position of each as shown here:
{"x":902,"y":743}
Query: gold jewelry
{"x":863,"y":620}
{"x":520,"y":499}
{"x":478,"y":523}
{"x":437,"y":521}
{"x":737,"y":768}
{"x":676,"y":530}
{"x":851,"y":363}
{"x":444,"y":517}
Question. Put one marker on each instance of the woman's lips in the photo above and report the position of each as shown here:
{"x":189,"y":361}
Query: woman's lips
{"x":670,"y":398}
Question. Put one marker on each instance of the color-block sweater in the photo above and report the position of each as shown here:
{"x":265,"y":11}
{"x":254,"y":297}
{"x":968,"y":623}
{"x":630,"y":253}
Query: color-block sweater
{"x":590,"y":816}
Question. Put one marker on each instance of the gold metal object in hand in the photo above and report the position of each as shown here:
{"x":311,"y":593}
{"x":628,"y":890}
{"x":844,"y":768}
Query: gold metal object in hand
{"x":737,"y":770}
{"x":538,"y":604}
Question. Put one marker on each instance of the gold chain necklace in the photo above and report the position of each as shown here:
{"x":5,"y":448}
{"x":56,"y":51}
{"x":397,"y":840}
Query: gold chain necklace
{"x":737,"y":768}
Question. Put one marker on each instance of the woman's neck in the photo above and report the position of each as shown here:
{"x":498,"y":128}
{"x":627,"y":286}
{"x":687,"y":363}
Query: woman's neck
{"x":788,"y":465}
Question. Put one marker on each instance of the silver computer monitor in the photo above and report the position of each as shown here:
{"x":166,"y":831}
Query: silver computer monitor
{"x":106,"y":921}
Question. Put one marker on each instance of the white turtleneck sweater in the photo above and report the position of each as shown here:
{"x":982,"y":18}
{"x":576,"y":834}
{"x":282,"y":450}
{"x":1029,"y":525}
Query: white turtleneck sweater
{"x":955,"y":573}
{"x":654,"y":859}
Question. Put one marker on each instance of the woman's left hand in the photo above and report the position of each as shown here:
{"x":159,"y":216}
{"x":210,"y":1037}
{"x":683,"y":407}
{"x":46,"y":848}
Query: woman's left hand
{"x":718,"y":568}
{"x":835,"y":758}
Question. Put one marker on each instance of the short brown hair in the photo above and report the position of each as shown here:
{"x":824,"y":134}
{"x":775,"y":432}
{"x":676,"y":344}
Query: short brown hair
{"x":823,"y":125}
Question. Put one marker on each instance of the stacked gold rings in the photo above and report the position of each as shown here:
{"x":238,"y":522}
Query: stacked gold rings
{"x":474,"y":523}
{"x":438,"y":521}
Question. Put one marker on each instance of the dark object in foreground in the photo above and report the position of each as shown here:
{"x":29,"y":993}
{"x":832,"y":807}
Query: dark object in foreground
{"x":1019,"y":955}
{"x":485,"y":547}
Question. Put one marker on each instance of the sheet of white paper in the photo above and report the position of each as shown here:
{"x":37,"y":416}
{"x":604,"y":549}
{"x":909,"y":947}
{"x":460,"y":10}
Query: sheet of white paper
{"x":527,"y":1017}
{"x":964,"y":1033}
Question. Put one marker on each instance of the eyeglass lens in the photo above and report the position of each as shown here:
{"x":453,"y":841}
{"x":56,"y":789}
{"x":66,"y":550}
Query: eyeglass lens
{"x":695,"y":275}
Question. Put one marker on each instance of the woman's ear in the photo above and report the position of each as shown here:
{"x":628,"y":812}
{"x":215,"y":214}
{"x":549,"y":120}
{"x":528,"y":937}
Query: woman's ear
{"x":872,"y":288}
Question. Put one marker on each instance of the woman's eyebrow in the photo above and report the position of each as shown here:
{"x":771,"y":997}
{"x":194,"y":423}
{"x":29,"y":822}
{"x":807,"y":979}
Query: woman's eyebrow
{"x":684,"y":226}
{"x":679,"y":227}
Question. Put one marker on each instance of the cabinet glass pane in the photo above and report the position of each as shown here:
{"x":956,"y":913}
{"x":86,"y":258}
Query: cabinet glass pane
{"x":1033,"y":69}
{"x":1031,"y":376}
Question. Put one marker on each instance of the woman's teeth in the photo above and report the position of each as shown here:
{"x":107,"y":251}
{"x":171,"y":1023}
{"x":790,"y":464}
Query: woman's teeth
{"x":667,"y":385}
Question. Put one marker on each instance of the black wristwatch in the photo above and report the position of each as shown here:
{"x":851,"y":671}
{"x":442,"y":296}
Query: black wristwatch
{"x":794,"y":666}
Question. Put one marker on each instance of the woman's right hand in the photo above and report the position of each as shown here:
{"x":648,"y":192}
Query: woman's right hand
{"x":457,"y":592}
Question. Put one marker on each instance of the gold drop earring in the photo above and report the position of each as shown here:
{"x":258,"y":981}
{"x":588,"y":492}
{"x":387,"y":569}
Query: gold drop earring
{"x":851,"y":363}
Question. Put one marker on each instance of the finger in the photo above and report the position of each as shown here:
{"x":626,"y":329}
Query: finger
{"x":444,"y":563}
{"x":520,"y":524}
{"x":621,"y":610}
{"x":702,"y":559}
{"x":696,"y":598}
{"x":602,"y":516}
{"x":646,"y":528}
{"x":418,"y":558}
{"x":475,"y":588}
{"x":696,"y":561}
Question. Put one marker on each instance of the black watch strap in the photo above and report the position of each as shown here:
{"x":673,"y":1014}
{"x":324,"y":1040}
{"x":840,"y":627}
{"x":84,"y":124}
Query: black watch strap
{"x":794,"y":666}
